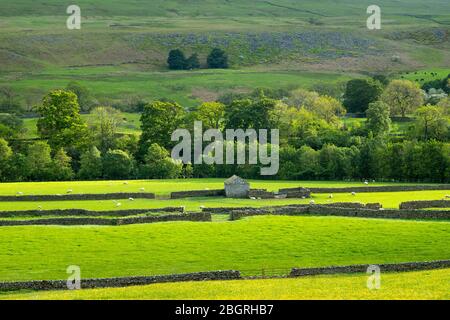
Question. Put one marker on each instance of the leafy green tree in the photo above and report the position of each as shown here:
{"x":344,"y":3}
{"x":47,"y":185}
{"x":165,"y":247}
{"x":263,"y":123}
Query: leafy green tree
{"x":176,"y":60}
{"x":5,"y":155}
{"x":247,"y":113}
{"x":360,"y":93}
{"x":158,"y":121}
{"x":39,"y":161}
{"x":431,"y":123}
{"x":104,"y":122}
{"x":91,"y":166}
{"x":60,"y":122}
{"x":403,"y":96}
{"x":217,"y":59}
{"x":211,"y":114}
{"x":61,"y":168}
{"x":9,"y":101}
{"x":159,"y":165}
{"x":378,"y":118}
{"x":85,"y":99}
{"x":11,"y":126}
{"x":117,"y":164}
{"x":192,"y":62}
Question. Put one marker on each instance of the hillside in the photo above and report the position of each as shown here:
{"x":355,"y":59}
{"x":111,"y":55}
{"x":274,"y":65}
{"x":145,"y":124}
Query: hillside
{"x":123,"y":42}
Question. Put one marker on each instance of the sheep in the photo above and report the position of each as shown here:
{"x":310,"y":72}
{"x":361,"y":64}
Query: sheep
{"x":40,"y":208}
{"x":330,"y":196}
{"x":118,"y":204}
{"x":447,"y":196}
{"x":131,"y":199}
{"x":69,"y":191}
{"x":125,"y":183}
{"x":20,"y":193}
{"x":312,"y":202}
{"x":252,"y":198}
{"x":142,"y":189}
{"x":353,"y":193}
{"x":366,"y":182}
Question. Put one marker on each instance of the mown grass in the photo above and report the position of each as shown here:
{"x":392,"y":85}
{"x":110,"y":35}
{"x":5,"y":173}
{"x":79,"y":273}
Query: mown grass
{"x":423,"y":285}
{"x":388,"y":200}
{"x":163,"y":187}
{"x":249,"y":245}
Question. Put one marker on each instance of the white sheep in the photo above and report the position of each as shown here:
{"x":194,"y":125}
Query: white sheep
{"x":312,"y":202}
{"x":69,"y":191}
{"x":125,"y":183}
{"x":353,"y":193}
{"x":20,"y":193}
{"x":252,"y":198}
{"x":131,"y":199}
{"x":366,"y":182}
{"x":118,"y":204}
{"x":202,"y":207}
{"x":330,"y":196}
{"x":142,"y":189}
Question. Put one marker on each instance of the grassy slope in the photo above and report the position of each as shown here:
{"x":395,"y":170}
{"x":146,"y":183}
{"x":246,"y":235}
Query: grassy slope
{"x":425,"y":285}
{"x":248,"y":245}
{"x":163,"y":187}
{"x":115,"y":44}
{"x":389,"y":200}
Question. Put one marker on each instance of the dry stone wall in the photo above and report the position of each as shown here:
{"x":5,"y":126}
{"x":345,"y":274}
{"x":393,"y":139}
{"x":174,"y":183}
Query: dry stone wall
{"x":78,"y":197}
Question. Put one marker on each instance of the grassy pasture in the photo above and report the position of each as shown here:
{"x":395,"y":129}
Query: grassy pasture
{"x":162,"y":187}
{"x":248,"y":245}
{"x":389,"y":200}
{"x":402,"y":286}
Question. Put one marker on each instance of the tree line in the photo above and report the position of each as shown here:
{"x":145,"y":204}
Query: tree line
{"x":316,"y":141}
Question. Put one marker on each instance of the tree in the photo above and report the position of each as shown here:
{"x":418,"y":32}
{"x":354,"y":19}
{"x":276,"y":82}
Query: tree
{"x":104,"y":122}
{"x":378,"y":118}
{"x":84,"y":96}
{"x":117,"y":164}
{"x":360,"y":93}
{"x":217,"y":59}
{"x":211,"y":114}
{"x":192,"y":62}
{"x":9,"y":103}
{"x":327,"y":108}
{"x":60,"y":122}
{"x":39,"y":162}
{"x":91,"y":166}
{"x":431,"y":123}
{"x":61,"y":168}
{"x":158,"y":121}
{"x":5,"y":155}
{"x":159,"y":165}
{"x":403,"y":96}
{"x":176,"y":60}
{"x":247,"y":113}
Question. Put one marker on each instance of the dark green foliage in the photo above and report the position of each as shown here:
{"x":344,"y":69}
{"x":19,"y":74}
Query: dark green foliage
{"x":192,"y":62}
{"x":360,"y":93}
{"x":176,"y":60}
{"x":117,"y":164}
{"x":217,"y":59}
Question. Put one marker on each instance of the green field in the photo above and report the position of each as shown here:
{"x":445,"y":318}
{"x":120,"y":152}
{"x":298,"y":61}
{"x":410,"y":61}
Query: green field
{"x":163,"y":187}
{"x":388,"y":200}
{"x":394,"y":286}
{"x":249,"y":245}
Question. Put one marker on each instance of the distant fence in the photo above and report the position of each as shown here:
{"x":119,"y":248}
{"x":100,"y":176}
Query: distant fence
{"x":84,"y":213}
{"x":78,"y":197}
{"x":380,"y":189}
{"x":322,"y":210}
{"x":120,"y":282}
{"x":264,"y":272}
{"x":425,"y":204}
{"x":393,"y":267}
{"x":194,"y":216}
{"x":197,"y":193}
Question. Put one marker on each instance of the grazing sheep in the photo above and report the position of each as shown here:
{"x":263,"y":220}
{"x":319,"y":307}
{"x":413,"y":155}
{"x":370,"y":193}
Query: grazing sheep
{"x":202,"y":207}
{"x":20,"y":193}
{"x":447,"y":196}
{"x":118,"y":204}
{"x":69,"y":191}
{"x":142,"y":189}
{"x":312,"y":202}
{"x":252,"y":198}
{"x":40,"y":208}
{"x":366,"y":182}
{"x":125,"y":182}
{"x":330,"y":196}
{"x":353,"y":193}
{"x":131,"y":199}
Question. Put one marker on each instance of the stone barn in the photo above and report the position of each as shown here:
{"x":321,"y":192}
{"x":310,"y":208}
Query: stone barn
{"x":236,"y":187}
